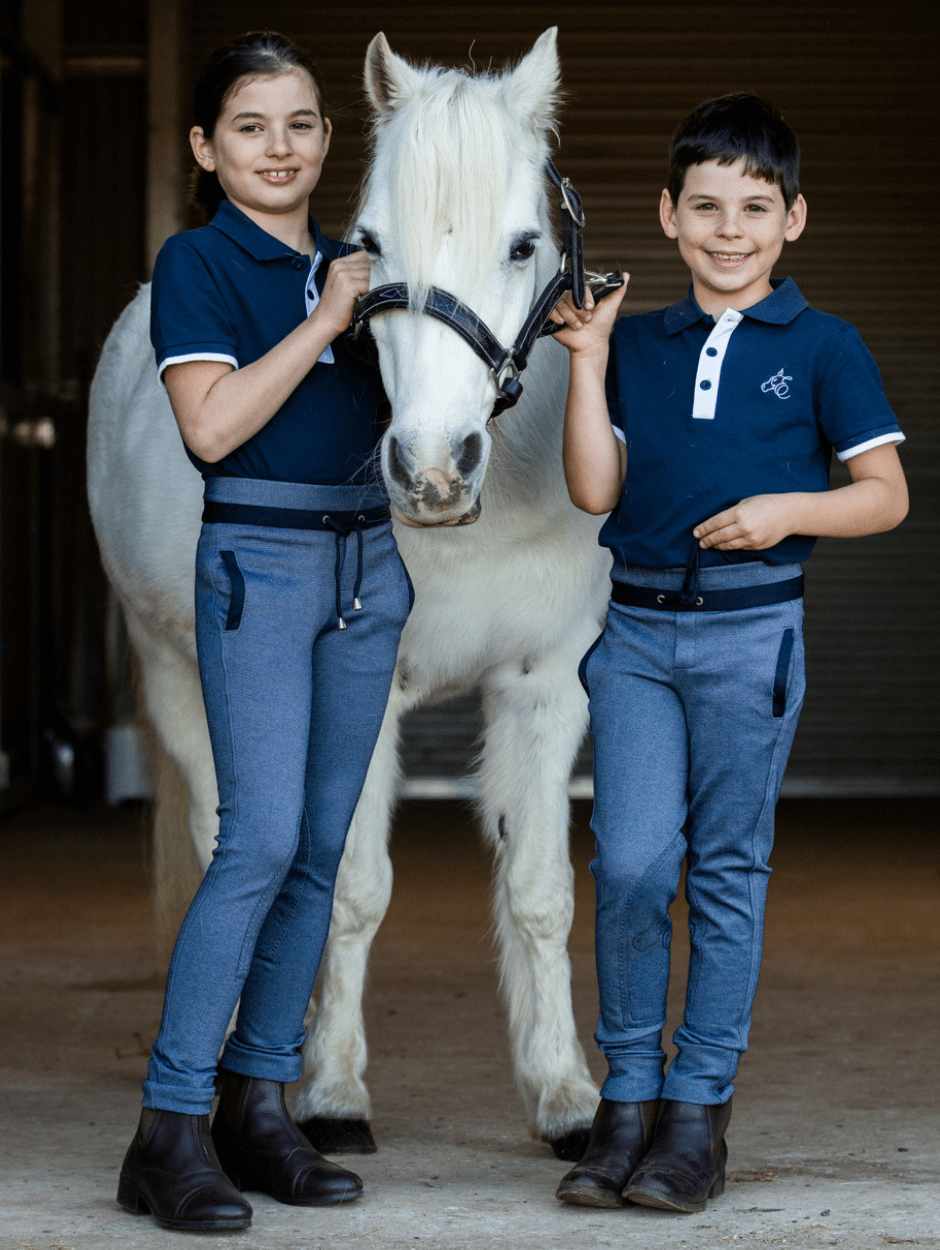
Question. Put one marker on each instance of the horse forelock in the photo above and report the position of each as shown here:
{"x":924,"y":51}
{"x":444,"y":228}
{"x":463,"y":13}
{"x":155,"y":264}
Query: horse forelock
{"x":449,"y":155}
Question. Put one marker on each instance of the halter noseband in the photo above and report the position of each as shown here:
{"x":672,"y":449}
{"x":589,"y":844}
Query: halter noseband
{"x":505,"y":366}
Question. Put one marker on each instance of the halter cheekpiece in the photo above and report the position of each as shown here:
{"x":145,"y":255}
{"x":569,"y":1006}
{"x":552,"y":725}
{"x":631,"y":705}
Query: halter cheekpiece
{"x":505,"y":365}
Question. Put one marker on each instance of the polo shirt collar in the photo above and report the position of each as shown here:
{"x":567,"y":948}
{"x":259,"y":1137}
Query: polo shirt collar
{"x":231,"y":221}
{"x":780,"y":307}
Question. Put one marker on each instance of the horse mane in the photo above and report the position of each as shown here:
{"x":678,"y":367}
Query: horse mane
{"x":451,"y":150}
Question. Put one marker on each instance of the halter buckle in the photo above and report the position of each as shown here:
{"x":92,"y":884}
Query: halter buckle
{"x":574,"y":211}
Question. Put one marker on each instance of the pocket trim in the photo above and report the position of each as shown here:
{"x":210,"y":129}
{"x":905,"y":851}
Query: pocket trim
{"x":582,"y":667}
{"x":780,"y":675}
{"x":236,"y":603}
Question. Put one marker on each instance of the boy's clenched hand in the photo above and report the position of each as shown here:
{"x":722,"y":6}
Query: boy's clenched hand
{"x":755,"y":523}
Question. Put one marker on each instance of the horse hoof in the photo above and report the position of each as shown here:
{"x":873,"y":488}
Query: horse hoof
{"x":334,"y":1135}
{"x":572,"y":1145}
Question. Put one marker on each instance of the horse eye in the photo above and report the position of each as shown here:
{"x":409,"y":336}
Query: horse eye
{"x":522,"y":250}
{"x":368,"y":244}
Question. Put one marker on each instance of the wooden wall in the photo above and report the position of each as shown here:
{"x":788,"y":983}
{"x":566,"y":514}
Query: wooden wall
{"x":856,"y":80}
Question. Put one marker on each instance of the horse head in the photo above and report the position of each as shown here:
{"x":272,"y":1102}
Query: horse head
{"x":455,"y":200}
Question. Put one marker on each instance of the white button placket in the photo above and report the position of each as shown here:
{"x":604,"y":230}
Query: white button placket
{"x":709,"y":365}
{"x":312,"y":298}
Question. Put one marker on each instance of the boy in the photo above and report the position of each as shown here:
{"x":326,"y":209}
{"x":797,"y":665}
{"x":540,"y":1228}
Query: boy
{"x":709,"y":446}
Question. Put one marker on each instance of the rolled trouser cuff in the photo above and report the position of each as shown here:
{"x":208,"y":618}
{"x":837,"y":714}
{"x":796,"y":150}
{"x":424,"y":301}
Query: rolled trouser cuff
{"x":263,"y":1067}
{"x":181,"y":1098}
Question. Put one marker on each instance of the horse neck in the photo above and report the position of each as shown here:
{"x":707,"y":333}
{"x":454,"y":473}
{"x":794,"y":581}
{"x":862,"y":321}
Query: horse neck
{"x":525,"y":467}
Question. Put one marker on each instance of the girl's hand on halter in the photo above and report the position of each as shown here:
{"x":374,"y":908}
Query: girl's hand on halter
{"x":348,"y":277}
{"x":587,"y":329}
{"x":218,"y":408}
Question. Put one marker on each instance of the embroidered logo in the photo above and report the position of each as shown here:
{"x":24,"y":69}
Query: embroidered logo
{"x":778,"y":384}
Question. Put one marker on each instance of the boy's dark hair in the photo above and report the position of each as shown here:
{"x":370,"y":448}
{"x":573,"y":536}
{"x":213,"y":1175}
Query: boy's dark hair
{"x":732,"y":127}
{"x":259,"y":52}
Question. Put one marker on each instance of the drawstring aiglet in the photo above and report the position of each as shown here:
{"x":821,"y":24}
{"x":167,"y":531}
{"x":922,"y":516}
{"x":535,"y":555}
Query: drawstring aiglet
{"x":342,"y":532}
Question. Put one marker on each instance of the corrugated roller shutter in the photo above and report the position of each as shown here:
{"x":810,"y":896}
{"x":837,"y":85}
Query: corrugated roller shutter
{"x":857,"y":82}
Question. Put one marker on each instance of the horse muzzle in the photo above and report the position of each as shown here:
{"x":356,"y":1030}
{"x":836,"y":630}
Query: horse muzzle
{"x":434,"y":495}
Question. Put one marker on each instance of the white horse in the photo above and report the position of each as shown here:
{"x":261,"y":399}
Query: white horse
{"x":455,"y":198}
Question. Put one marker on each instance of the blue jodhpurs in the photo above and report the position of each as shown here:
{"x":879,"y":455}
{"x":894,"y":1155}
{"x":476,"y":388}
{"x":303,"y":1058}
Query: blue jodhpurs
{"x":294,"y":706}
{"x":689,"y":731}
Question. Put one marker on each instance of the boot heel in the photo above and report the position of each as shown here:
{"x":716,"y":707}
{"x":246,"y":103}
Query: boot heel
{"x":129,"y":1198}
{"x":719,"y":1186}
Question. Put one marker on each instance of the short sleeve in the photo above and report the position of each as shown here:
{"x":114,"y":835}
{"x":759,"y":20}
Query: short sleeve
{"x":853,"y":412}
{"x":188,"y":315}
{"x":612,"y":390}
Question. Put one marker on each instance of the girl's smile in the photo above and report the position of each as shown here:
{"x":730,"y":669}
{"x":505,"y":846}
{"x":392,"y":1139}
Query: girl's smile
{"x":268,"y":148}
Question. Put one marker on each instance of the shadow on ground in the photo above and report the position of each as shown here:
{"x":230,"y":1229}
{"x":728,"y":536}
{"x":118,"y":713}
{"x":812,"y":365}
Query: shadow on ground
{"x":834,"y":1141}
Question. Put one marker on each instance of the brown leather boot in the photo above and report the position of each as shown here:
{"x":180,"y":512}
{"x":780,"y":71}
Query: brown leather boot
{"x":260,"y":1147}
{"x":685,"y":1166}
{"x":620,"y":1137}
{"x":171,"y":1171}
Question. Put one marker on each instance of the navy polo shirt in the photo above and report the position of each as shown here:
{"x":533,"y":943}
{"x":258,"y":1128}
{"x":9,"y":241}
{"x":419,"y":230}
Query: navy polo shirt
{"x":231,"y":292}
{"x":715,"y":411}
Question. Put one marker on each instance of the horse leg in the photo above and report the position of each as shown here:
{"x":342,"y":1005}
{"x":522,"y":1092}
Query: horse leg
{"x":187,"y":794}
{"x":333,"y":1105}
{"x":536,"y":715}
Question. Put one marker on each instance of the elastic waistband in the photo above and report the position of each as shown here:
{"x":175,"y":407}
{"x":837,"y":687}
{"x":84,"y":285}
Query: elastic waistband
{"x":339,"y":520}
{"x":733,"y":600}
{"x":299,"y":496}
{"x":714,"y":577}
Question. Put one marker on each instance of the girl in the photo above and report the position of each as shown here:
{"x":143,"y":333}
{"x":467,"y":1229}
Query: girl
{"x":300,"y":600}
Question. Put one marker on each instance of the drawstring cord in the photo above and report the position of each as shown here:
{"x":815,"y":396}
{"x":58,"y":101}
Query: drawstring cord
{"x":342,"y":532}
{"x":688,"y":595}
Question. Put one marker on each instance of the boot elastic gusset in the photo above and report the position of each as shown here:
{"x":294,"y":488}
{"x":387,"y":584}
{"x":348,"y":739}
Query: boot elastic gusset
{"x":261,"y":1148}
{"x":685,"y":1165}
{"x":620,"y":1136}
{"x":171,"y":1171}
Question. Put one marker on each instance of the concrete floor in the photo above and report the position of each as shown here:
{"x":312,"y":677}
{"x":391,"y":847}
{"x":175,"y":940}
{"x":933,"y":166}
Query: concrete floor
{"x":835,"y":1139}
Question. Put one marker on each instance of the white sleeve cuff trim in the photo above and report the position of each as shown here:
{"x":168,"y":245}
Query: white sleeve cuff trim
{"x":896,"y":437}
{"x":620,"y":434}
{"x":181,"y":360}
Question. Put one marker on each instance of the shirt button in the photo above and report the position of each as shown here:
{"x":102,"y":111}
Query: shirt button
{"x":706,"y":385}
{"x":297,"y":263}
{"x":711,"y":351}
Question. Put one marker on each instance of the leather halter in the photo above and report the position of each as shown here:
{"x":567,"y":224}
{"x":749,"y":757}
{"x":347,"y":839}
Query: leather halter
{"x":504,"y":365}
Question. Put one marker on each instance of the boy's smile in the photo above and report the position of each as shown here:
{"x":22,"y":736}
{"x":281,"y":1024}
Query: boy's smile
{"x":731,"y":228}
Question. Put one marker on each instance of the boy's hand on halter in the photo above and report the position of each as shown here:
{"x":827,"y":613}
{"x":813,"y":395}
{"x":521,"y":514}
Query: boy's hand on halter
{"x":587,"y":329}
{"x":595,"y":460}
{"x":347,"y":278}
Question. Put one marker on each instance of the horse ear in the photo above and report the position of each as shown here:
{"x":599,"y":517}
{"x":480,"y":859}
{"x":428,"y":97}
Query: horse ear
{"x":531,"y":89}
{"x":389,"y":79}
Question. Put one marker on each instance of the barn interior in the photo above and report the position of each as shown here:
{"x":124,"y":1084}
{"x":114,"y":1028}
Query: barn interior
{"x":836,"y":1139}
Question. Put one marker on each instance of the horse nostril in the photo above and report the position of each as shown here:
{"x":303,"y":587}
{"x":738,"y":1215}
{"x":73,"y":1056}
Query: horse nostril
{"x":471,"y":453}
{"x":472,"y":512}
{"x":397,"y":464}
